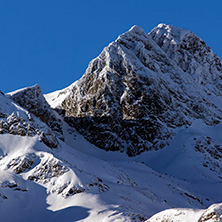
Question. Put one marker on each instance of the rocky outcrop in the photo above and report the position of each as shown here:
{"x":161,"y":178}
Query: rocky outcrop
{"x":142,"y":86}
{"x":212,"y":214}
{"x":17,"y":121}
{"x":32,"y":99}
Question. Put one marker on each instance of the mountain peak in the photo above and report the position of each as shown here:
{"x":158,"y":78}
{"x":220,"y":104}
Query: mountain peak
{"x":142,"y":83}
{"x":135,"y":32}
{"x":170,"y":27}
{"x":173,"y":33}
{"x":137,"y":29}
{"x":189,"y":52}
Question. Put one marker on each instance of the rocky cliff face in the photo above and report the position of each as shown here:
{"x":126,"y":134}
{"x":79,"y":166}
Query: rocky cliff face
{"x":17,"y":121}
{"x":32,"y":99}
{"x":143,"y":86}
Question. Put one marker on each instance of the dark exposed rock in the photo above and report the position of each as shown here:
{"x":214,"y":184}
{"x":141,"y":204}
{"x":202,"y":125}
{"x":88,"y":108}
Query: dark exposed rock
{"x":211,"y":151}
{"x":22,"y":164}
{"x":48,"y":169}
{"x":74,"y":190}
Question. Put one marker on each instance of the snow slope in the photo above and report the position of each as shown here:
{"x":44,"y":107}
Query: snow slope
{"x":80,"y":182}
{"x":48,"y":185}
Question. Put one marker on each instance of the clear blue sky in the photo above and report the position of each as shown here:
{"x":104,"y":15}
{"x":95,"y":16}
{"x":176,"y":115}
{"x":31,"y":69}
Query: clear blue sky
{"x":51,"y":42}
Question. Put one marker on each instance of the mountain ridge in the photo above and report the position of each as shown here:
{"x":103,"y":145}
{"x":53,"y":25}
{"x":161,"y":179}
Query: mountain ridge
{"x":142,"y":86}
{"x":155,"y":99}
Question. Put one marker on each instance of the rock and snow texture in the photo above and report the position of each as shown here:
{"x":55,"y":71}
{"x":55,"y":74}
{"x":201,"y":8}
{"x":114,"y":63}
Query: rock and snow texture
{"x":64,"y":184}
{"x":158,"y":92}
{"x":18,"y":121}
{"x":190,"y":53}
{"x":83,"y":183}
{"x":32,"y":99}
{"x":143,"y":86}
{"x":212,"y":214}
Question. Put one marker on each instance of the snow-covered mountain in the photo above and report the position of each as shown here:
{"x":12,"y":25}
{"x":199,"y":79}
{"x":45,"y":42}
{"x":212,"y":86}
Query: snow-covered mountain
{"x":143,"y":86}
{"x":155,"y":97}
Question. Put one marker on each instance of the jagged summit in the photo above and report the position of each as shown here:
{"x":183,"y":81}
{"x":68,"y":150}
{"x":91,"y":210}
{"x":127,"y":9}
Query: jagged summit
{"x":134,"y":30}
{"x":190,"y":53}
{"x":171,"y":32}
{"x":143,"y":86}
